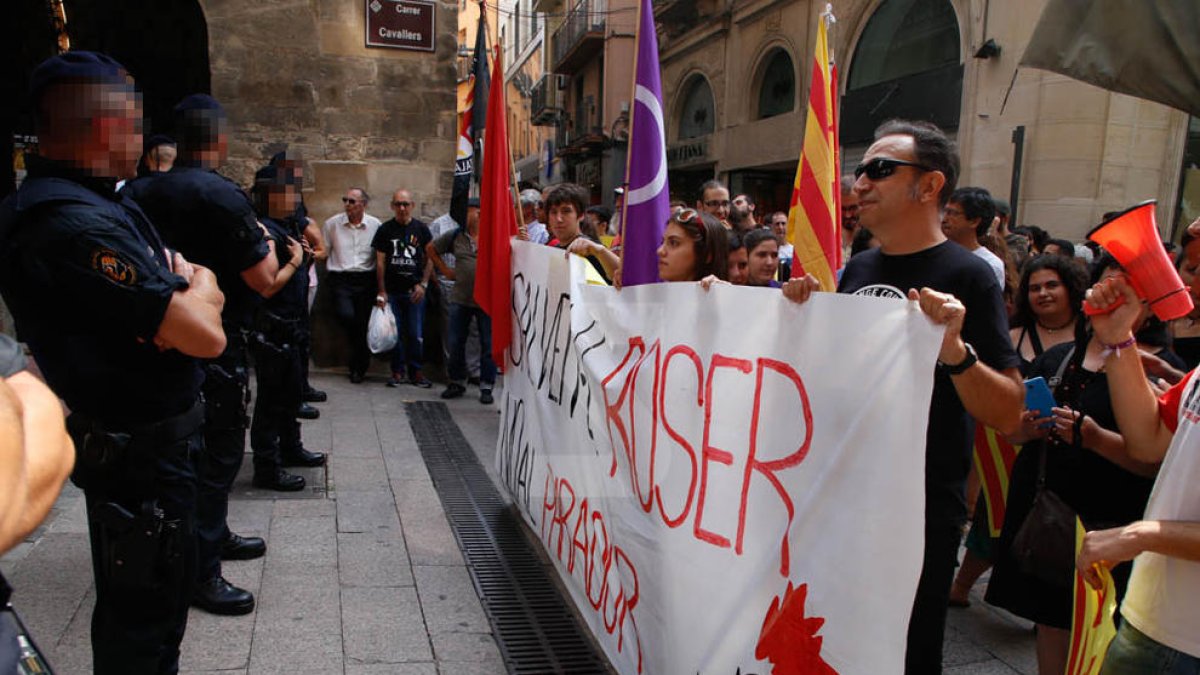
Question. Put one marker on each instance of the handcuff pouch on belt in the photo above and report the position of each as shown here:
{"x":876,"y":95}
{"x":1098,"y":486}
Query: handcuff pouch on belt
{"x":226,"y":397}
{"x":139,"y":550}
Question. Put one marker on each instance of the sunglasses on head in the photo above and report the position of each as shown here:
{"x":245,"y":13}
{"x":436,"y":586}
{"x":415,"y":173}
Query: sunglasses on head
{"x":347,"y":200}
{"x":882,"y":167}
{"x":689,"y":217}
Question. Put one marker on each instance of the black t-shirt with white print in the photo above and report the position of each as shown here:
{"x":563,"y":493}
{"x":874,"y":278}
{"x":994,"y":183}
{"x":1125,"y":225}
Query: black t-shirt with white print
{"x":948,"y":268}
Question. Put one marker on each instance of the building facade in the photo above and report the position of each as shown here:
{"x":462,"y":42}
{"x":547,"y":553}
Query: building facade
{"x":587,"y":88}
{"x":736,"y":76}
{"x":294,"y":75}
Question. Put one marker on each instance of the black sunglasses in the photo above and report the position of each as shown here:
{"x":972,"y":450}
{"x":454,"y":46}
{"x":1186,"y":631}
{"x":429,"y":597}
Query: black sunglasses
{"x":402,"y":204}
{"x":882,"y":167}
{"x":347,"y":200}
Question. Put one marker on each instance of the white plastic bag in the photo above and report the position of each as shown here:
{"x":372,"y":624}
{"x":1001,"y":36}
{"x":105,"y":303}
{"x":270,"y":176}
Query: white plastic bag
{"x":381,"y":331}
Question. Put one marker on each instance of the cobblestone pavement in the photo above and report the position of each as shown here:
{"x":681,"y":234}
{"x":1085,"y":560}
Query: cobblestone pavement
{"x":362,"y":574}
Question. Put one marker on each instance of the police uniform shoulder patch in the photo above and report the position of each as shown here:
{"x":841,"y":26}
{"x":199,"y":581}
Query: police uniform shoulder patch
{"x":115,"y":268}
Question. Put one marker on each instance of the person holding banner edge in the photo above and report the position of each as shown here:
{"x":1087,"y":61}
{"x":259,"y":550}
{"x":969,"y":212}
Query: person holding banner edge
{"x":905,"y":180}
{"x":1161,"y":627}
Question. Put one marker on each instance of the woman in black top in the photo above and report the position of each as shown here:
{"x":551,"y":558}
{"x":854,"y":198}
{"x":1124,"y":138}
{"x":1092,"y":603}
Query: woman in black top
{"x":1087,"y":466}
{"x":1048,"y":301}
{"x":1048,"y":305}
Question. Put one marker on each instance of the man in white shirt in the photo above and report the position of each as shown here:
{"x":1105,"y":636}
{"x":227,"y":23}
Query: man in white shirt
{"x":1160,"y":628}
{"x":351,"y":267}
{"x":966,"y":218}
{"x":531,"y":201}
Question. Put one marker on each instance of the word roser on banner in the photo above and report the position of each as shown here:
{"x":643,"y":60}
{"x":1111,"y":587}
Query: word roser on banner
{"x":726,"y":482}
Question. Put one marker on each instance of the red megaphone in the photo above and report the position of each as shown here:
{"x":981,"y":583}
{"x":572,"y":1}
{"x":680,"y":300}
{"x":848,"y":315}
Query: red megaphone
{"x":1132,"y":238}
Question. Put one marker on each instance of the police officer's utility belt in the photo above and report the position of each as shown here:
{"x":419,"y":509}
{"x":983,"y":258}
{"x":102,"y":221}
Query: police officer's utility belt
{"x":100,"y":443}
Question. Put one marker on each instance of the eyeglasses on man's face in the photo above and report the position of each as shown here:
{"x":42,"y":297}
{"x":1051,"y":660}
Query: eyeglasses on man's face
{"x":717,"y":203}
{"x":882,"y":167}
{"x":401,"y":204}
{"x":349,"y":200}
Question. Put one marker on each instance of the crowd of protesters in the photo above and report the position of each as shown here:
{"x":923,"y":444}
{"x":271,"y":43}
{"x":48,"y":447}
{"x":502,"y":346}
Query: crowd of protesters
{"x":178,"y":276}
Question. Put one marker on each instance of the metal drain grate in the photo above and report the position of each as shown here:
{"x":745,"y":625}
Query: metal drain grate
{"x":532,"y":622}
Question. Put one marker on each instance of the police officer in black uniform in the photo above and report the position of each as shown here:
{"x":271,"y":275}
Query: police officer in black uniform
{"x":210,"y":220}
{"x":277,"y":346}
{"x":115,"y":321}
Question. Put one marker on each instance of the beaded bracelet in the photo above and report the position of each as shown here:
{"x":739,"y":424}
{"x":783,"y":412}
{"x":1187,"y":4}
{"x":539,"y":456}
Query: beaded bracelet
{"x":1116,"y":349}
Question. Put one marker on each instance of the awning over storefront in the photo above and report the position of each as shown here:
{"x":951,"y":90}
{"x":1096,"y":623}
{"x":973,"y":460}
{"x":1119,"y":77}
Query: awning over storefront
{"x":1149,"y":49}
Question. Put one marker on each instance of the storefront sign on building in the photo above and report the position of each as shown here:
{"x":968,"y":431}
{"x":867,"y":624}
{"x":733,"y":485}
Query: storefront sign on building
{"x":690,"y":151}
{"x":400,"y":24}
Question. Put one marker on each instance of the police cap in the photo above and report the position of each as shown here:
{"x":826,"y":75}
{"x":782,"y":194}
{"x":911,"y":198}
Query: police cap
{"x":198,"y":102}
{"x":76,"y":66}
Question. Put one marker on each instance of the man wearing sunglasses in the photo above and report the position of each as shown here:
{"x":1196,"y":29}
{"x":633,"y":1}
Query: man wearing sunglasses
{"x":904,"y":182}
{"x":351,"y":266}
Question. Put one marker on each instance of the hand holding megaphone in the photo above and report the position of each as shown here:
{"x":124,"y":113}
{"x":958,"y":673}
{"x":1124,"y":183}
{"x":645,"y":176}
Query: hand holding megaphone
{"x":1115,"y":309}
{"x":1132,"y":238}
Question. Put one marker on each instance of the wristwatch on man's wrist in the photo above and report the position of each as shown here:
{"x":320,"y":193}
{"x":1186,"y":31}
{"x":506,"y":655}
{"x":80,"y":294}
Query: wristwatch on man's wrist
{"x":958,"y":368}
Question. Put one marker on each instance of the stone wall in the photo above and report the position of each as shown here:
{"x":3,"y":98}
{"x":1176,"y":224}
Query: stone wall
{"x":297,"y":72}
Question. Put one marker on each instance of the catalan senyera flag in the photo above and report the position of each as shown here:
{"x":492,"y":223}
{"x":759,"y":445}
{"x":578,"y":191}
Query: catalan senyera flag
{"x":497,"y":221}
{"x":994,"y":457}
{"x":813,"y":217}
{"x":1092,"y":625}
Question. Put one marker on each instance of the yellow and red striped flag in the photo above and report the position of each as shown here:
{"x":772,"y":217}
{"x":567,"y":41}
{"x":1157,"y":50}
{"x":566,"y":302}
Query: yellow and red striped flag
{"x":813,"y":216}
{"x":994,"y":457}
{"x":1092,"y":627}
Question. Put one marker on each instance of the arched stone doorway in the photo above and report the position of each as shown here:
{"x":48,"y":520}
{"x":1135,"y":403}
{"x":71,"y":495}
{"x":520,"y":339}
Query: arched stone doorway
{"x":907,"y":63}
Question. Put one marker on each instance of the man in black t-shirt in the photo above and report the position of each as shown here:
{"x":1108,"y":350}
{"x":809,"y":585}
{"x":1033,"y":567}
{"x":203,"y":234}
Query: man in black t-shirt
{"x":402,"y":271}
{"x":903,"y":184}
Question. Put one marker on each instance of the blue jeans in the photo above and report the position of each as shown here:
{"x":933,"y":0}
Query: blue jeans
{"x":409,"y":322}
{"x":460,"y":323}
{"x":1133,"y":653}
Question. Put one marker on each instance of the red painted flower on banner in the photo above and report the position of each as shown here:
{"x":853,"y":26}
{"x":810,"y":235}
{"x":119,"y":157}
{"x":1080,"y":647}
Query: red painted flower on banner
{"x":789,"y":639}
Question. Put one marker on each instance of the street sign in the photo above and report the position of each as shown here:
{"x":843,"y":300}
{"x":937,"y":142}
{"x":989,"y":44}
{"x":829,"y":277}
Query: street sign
{"x":400,"y":24}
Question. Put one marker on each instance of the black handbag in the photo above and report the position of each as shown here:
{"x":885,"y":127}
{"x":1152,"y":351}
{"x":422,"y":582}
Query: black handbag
{"x":1044,"y":546}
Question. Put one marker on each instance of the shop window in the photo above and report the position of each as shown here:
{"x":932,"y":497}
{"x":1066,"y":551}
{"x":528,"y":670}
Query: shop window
{"x":777,"y":93}
{"x":698,"y":114}
{"x":907,"y":65}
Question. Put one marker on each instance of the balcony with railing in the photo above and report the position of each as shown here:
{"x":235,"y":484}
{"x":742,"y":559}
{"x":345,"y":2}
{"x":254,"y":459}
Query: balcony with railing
{"x":543,"y":102}
{"x":580,"y":36}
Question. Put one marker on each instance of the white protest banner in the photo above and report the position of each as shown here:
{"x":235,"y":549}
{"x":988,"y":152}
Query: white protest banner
{"x":725,"y":481}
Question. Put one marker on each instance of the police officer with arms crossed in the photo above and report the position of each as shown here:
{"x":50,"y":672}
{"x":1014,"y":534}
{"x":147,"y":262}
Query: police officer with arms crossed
{"x":208,"y":219}
{"x":116,"y":321}
{"x":277,"y":345}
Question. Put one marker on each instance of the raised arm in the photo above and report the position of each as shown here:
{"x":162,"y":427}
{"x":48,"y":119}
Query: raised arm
{"x":995,"y":398}
{"x":1134,"y":403}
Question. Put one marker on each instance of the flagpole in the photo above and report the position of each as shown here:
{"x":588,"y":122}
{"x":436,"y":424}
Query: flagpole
{"x":637,"y":48}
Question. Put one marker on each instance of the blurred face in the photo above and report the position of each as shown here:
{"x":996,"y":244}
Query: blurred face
{"x":1052,"y":249}
{"x":529,"y":212}
{"x":1109,"y":273}
{"x":739,"y":267}
{"x":402,"y":206}
{"x":778,"y":225}
{"x":677,"y":254}
{"x":716,"y":203}
{"x":120,"y":130}
{"x":764,"y":263}
{"x":354,"y":204}
{"x":563,"y":222}
{"x":1047,"y":294}
{"x":472,"y":218}
{"x":282,"y":200}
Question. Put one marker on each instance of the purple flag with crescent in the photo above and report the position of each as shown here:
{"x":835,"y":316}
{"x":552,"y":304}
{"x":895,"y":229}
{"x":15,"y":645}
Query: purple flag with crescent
{"x":647,"y":199}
